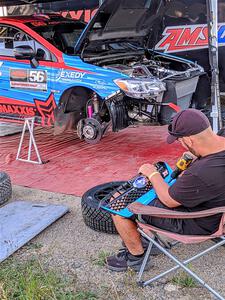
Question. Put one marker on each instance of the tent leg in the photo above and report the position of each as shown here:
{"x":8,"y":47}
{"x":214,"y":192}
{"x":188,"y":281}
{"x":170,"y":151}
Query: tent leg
{"x":212,"y":10}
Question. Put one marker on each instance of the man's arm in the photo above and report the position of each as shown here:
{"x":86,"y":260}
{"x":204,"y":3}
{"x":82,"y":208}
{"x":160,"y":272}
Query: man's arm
{"x":160,"y":186}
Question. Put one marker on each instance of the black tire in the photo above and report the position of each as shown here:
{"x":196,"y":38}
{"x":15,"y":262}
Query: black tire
{"x":5,"y":188}
{"x":94,"y":217}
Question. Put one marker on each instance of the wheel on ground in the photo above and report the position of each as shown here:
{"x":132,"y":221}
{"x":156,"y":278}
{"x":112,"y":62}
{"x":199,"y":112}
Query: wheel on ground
{"x":5,"y":188}
{"x":95,"y":217}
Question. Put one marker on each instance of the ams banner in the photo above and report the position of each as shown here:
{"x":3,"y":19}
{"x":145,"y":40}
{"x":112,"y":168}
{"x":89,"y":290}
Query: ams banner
{"x":188,"y":37}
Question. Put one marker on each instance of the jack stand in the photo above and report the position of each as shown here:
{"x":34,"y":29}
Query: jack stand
{"x":29,"y":124}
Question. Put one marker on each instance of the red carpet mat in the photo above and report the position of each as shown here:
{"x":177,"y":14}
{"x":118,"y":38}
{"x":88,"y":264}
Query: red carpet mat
{"x":74,"y":166}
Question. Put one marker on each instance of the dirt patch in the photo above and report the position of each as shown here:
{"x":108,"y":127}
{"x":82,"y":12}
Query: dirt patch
{"x":71,"y":248}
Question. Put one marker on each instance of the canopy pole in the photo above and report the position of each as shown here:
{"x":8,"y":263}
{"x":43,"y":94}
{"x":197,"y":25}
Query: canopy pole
{"x":212,"y":7}
{"x":3,"y":11}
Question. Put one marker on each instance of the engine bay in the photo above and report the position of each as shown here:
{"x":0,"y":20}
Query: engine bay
{"x":144,"y":64}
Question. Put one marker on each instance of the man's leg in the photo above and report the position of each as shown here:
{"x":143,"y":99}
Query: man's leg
{"x":127,"y":230}
{"x":133,"y":254}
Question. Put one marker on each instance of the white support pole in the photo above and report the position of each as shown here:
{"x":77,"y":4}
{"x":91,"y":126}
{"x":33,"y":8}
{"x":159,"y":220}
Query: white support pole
{"x":29,"y":125}
{"x":213,"y":55}
{"x":3,"y":11}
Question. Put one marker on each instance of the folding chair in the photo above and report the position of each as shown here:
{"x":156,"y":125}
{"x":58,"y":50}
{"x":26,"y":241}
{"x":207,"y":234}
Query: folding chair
{"x":152,"y":233}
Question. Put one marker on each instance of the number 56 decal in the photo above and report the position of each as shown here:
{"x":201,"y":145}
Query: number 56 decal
{"x":38,"y":76}
{"x":28,"y":79}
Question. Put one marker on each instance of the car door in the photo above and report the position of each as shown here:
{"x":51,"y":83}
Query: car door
{"x":25,"y":89}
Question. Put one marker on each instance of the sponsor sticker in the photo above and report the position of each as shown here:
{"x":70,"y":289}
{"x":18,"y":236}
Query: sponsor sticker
{"x":46,"y":110}
{"x":28,"y":79}
{"x":17,"y":110}
{"x":188,"y":37}
{"x":43,"y":109}
{"x":140,"y":182}
{"x":71,"y":75}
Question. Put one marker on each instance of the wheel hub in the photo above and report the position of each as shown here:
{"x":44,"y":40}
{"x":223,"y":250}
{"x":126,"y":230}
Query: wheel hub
{"x":89,"y":132}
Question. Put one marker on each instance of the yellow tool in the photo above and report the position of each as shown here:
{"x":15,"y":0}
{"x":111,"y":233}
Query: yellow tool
{"x":182,"y":164}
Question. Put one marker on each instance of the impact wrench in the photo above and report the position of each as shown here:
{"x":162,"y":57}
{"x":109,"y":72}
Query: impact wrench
{"x":182,"y":164}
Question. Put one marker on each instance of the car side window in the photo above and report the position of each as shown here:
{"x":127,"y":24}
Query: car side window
{"x":11,"y":37}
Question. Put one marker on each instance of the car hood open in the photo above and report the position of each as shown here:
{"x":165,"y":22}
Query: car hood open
{"x":122,"y":20}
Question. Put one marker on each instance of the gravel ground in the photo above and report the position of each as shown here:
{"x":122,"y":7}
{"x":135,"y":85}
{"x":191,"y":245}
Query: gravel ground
{"x":75,"y":250}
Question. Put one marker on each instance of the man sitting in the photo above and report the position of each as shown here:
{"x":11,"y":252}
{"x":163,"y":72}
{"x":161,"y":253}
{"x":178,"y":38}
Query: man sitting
{"x":201,"y":186}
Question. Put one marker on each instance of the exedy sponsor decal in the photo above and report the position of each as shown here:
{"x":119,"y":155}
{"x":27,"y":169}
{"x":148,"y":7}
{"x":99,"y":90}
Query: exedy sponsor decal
{"x":28,"y":79}
{"x":71,"y":75}
{"x":188,"y":37}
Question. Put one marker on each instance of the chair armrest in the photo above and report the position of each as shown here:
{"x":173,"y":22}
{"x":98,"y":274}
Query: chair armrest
{"x":140,"y":209}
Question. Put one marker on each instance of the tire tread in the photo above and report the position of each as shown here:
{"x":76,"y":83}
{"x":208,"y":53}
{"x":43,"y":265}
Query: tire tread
{"x":5,"y":188}
{"x":95,"y":217}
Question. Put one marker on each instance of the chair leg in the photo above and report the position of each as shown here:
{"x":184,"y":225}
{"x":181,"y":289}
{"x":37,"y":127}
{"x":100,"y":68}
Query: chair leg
{"x":146,"y":259}
{"x":182,"y":265}
{"x":186,"y":262}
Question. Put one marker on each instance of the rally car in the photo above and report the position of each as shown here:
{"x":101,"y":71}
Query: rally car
{"x":89,"y":78}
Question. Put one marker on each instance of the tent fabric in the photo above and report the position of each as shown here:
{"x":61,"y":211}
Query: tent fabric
{"x":73,"y":166}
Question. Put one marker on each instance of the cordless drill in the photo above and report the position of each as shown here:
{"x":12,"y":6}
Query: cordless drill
{"x":182,"y":164}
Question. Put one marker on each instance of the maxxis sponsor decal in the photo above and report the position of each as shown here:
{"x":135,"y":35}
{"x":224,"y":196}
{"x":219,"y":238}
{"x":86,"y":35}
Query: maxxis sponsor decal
{"x":28,"y":79}
{"x":188,"y":37}
{"x":17,"y":110}
{"x":44,"y":110}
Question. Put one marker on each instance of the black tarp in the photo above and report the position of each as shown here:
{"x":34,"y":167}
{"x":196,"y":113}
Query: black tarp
{"x":69,"y":4}
{"x":80,"y":10}
{"x":21,"y":2}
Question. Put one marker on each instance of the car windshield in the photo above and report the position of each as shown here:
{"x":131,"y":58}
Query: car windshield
{"x":62,"y":34}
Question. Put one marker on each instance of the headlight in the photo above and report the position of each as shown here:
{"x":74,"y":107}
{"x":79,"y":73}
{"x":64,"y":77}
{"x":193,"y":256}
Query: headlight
{"x":141,"y":88}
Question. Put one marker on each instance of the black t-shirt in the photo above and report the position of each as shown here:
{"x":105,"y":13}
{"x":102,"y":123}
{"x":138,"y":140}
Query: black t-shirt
{"x":202,"y":186}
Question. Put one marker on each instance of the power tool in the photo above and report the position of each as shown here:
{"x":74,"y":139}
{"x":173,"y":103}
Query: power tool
{"x":182,"y":164}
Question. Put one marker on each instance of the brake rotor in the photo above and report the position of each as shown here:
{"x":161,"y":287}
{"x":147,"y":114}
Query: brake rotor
{"x":90,"y":130}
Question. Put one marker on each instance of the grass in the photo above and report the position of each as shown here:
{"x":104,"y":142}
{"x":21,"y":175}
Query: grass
{"x":85,"y":296}
{"x":29,"y":281}
{"x":184,"y":280}
{"x":101,"y":259}
{"x":33,"y":246}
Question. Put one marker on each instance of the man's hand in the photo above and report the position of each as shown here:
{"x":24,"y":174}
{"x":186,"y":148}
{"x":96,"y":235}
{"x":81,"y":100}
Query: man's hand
{"x":160,"y":186}
{"x":147,"y":169}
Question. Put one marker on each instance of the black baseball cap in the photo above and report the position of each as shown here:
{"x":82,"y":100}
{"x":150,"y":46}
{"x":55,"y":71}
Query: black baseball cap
{"x":186,"y":123}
